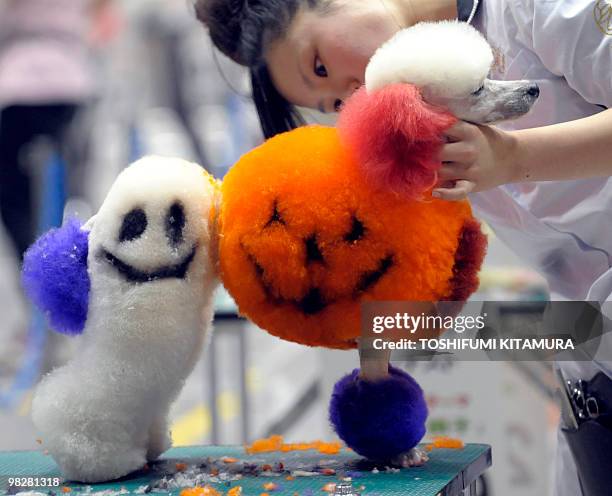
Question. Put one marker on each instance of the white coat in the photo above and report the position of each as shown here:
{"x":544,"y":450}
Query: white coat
{"x":563,"y":229}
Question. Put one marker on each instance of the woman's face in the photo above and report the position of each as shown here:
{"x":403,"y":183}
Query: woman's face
{"x":323,"y":56}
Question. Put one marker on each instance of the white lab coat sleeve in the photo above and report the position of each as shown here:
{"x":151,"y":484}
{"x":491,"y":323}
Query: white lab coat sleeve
{"x":573,"y":39}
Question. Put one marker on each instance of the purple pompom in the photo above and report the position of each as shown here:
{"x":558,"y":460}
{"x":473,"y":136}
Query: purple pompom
{"x":379,"y":420}
{"x":55,"y":277}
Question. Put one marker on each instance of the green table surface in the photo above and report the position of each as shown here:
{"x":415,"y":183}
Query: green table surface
{"x":448,"y":472}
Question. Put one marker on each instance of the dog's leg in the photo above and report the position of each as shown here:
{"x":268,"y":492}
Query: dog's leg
{"x":415,"y":457}
{"x":375,"y":367}
{"x":85,"y":458}
{"x":374,"y":364}
{"x":159,"y":437}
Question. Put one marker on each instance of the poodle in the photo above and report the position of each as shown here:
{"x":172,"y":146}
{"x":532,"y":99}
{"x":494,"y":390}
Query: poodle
{"x":449,"y":62}
{"x":137,"y":282}
{"x":416,"y":86}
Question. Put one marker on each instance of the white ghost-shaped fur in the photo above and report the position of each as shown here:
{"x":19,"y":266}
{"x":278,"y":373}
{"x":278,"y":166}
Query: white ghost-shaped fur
{"x":449,"y":58}
{"x":104,"y":414}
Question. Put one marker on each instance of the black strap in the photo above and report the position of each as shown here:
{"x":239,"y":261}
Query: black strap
{"x":464,"y":9}
{"x":591,"y":445}
{"x":600,"y":388}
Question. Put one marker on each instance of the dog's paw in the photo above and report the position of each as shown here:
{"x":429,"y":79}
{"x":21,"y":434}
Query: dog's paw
{"x":413,"y":458}
{"x":160,"y":439}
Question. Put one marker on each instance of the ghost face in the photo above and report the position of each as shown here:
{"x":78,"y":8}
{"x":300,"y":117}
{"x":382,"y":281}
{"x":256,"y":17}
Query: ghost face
{"x":134,"y":226}
{"x":153,"y":226}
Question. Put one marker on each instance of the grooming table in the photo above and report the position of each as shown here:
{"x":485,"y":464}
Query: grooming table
{"x":449,"y":472}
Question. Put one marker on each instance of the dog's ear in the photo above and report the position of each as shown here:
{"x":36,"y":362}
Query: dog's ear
{"x":395,"y":136}
{"x":214,"y":221}
{"x":55,"y":278}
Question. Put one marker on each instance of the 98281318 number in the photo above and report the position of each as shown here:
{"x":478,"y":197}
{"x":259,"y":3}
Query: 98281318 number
{"x":26,"y":481}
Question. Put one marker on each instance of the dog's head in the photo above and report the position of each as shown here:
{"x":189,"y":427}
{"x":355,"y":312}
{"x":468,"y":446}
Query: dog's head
{"x":449,"y":62}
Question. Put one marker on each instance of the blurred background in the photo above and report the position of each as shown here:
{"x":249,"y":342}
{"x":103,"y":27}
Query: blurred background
{"x":86,"y":87}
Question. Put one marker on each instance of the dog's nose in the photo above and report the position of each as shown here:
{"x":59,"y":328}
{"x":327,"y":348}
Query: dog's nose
{"x":175,"y":223}
{"x":533,"y":91}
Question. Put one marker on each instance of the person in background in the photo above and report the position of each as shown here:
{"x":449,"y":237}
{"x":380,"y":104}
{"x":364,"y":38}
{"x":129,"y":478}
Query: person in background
{"x":45,"y":77}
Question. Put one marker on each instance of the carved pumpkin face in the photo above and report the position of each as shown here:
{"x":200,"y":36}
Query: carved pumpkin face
{"x":305,"y":238}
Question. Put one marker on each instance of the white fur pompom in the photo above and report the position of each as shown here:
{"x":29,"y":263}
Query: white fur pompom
{"x":423,"y":56}
{"x":105,"y":413}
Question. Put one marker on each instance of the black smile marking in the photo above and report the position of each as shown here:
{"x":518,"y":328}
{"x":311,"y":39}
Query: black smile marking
{"x":314,"y":302}
{"x":131,"y":274}
{"x":369,"y":279}
{"x":258,"y":268}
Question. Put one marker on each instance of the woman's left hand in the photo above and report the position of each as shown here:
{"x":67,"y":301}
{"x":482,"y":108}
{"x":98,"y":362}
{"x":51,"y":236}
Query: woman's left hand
{"x":476,"y":158}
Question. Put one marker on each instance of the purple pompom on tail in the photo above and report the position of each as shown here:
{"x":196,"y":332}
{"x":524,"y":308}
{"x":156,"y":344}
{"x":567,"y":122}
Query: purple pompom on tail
{"x":55,"y":277}
{"x":379,"y":420}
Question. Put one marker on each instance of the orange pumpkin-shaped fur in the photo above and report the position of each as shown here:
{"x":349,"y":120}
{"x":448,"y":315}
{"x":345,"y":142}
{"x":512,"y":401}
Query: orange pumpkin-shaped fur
{"x":305,"y":237}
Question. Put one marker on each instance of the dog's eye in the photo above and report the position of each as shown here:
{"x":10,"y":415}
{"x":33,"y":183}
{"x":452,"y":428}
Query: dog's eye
{"x":478,"y":91}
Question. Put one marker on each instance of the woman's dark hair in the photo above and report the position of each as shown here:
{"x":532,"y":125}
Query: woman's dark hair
{"x":276,"y":114}
{"x":242,"y":30}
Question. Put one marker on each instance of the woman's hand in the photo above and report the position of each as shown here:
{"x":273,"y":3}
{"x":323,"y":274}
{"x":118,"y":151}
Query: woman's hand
{"x":482,"y":157}
{"x":476,"y":158}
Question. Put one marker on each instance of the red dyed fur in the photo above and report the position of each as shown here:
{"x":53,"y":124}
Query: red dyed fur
{"x":396,"y":137}
{"x":468,"y":259}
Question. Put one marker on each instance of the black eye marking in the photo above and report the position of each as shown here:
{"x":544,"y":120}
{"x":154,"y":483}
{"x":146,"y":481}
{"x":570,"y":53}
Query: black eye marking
{"x":134,"y":224}
{"x":357,"y":231}
{"x":313,"y":252}
{"x":478,"y":91}
{"x":258,"y":268}
{"x":368,"y":279}
{"x":260,"y":274}
{"x":312,"y":303}
{"x":275,"y":217}
{"x":175,"y":223}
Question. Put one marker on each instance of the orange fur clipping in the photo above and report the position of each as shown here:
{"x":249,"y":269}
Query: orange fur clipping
{"x":200,"y":491}
{"x":275,"y":443}
{"x":445,"y":442}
